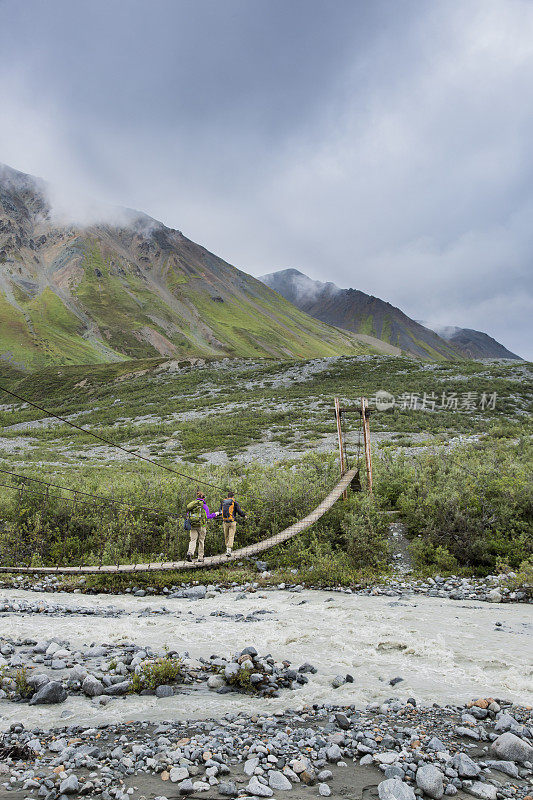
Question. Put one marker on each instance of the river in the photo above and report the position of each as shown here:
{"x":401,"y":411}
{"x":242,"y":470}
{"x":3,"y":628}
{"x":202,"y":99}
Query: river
{"x":446,"y":651}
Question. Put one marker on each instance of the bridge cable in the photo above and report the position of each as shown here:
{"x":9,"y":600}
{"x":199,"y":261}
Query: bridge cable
{"x":108,"y":441}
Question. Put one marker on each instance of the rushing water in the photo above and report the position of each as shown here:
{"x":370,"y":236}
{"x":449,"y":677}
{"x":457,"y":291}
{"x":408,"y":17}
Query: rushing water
{"x":446,"y":651}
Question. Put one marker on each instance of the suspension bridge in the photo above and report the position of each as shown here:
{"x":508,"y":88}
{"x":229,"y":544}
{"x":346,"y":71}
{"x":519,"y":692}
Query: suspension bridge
{"x":348,"y":476}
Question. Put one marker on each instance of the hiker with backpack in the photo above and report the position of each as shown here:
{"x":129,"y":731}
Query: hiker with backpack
{"x":229,"y":507}
{"x":197,"y":515}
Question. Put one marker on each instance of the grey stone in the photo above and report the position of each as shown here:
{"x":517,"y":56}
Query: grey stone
{"x":92,"y":687}
{"x":509,"y":747}
{"x":69,"y":785}
{"x":118,"y":688}
{"x":338,"y":681}
{"x":186,"y":787}
{"x":342,"y":721}
{"x":483,"y":791}
{"x":259,"y":789}
{"x":466,"y":768}
{"x":429,"y":779}
{"x":324,"y":790}
{"x":228,"y":789}
{"x":195,"y":592}
{"x":394,"y":789}
{"x":215,"y":681}
{"x":164,"y":691}
{"x":505,"y":722}
{"x":507,"y":767}
{"x":52,"y":692}
{"x":278,"y":781}
{"x":436,"y":744}
{"x":178,"y":774}
{"x":333,"y":753}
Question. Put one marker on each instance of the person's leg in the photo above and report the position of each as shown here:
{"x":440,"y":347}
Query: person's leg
{"x":225,"y":526}
{"x":232,"y":526}
{"x":193,"y":537}
{"x":201,"y":542}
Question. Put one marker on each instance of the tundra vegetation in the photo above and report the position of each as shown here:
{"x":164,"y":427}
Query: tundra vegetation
{"x":459,"y":478}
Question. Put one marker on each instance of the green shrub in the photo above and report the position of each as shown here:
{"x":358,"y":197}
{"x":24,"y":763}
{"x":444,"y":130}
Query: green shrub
{"x":22,"y":686}
{"x":154,"y":673}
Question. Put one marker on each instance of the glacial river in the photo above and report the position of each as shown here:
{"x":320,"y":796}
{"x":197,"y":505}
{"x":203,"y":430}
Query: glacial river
{"x":446,"y":651}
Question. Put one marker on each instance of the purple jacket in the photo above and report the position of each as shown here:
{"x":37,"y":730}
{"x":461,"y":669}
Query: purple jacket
{"x":209,"y":514}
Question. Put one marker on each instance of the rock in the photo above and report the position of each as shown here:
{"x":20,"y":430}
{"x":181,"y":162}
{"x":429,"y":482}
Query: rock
{"x":278,"y":781}
{"x":250,"y":765}
{"x":484,"y":791}
{"x":259,"y":789}
{"x":505,"y":722}
{"x":178,"y":774}
{"x":324,"y":790}
{"x":51,"y":692}
{"x":507,"y":767}
{"x":394,"y":789}
{"x":92,"y":687}
{"x":436,"y":745}
{"x":164,"y":691}
{"x":195,"y":592}
{"x":464,"y":765}
{"x":333,"y":753}
{"x":215,"y":681}
{"x":118,"y":688}
{"x":342,"y":721}
{"x":186,"y":787}
{"x":338,"y":681}
{"x":509,"y":747}
{"x":228,"y":789}
{"x":494,"y":596}
{"x":308,"y":777}
{"x":70,"y":785}
{"x":393,"y":771}
{"x":429,"y":779}
{"x":388,"y":757}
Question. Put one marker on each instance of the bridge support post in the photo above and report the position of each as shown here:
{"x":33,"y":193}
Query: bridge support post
{"x":366,"y":441}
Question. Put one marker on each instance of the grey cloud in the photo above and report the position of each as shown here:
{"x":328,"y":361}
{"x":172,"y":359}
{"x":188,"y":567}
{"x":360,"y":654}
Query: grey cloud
{"x":380,"y":145}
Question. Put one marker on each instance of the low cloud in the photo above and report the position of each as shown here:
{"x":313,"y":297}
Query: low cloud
{"x":384,"y":147}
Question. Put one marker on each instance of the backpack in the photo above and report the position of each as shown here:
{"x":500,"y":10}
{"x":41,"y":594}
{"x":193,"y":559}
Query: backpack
{"x":195,"y":509}
{"x":228,"y":506}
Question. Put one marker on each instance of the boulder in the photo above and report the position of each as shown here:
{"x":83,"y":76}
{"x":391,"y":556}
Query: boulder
{"x":92,"y":687}
{"x":509,"y":747}
{"x":69,"y":785}
{"x":394,"y":789}
{"x":50,"y":693}
{"x":178,"y":774}
{"x":164,"y":690}
{"x":429,"y":779}
{"x":464,"y":765}
{"x":483,"y":791}
{"x":278,"y":781}
{"x":259,"y":789}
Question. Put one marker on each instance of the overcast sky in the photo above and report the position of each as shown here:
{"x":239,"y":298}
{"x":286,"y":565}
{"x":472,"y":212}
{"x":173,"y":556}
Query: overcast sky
{"x":383,"y":145}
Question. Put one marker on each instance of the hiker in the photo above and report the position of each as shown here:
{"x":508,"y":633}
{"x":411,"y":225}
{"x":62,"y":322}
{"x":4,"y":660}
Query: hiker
{"x":198,"y":513}
{"x":229,"y":507}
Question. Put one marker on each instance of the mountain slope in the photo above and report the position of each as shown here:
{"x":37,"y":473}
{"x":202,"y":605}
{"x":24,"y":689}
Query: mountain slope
{"x":359,"y":312}
{"x":474,"y":344}
{"x":132,"y":288}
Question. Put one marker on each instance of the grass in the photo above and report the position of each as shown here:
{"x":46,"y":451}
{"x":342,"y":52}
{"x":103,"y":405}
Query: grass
{"x":158,"y":672}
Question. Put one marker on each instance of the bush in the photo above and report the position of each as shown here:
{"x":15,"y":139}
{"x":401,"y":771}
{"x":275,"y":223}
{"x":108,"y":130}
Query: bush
{"x":160,"y":671}
{"x":474,"y":502}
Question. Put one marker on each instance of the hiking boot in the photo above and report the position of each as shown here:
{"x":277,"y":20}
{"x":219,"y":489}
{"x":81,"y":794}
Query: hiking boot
{"x":199,"y":561}
{"x":228,"y":552}
{"x":188,"y":557}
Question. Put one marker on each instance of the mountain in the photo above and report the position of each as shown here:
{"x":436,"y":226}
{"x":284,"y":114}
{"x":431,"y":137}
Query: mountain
{"x":473,"y":344}
{"x":129,"y":287}
{"x":365,"y":315}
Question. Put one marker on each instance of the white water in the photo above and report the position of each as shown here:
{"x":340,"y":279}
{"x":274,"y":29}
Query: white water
{"x":446,"y":651}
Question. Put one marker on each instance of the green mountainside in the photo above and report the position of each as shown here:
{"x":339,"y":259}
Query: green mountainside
{"x":360,"y":313}
{"x":133,"y":288}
